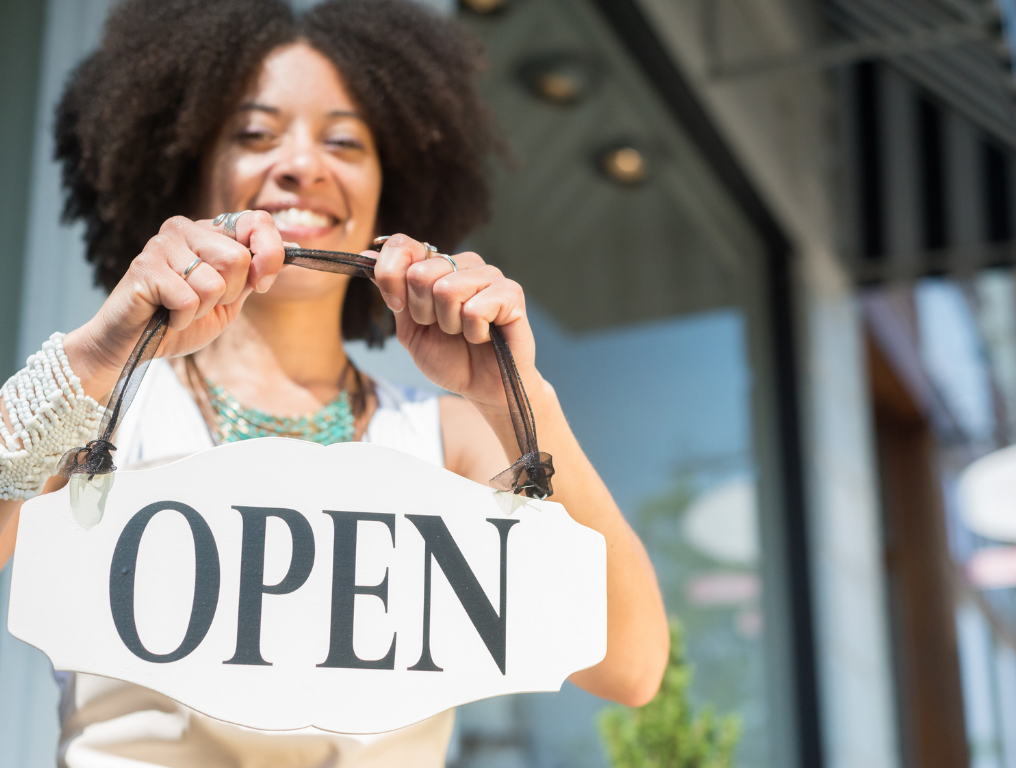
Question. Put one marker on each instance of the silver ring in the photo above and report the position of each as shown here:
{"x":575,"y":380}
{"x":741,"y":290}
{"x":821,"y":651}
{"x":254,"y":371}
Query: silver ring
{"x":432,"y":251}
{"x":191,"y":267}
{"x":228,"y":222}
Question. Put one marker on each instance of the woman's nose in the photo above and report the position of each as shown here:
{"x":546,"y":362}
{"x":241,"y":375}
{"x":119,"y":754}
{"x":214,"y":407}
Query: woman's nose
{"x":301,"y":166}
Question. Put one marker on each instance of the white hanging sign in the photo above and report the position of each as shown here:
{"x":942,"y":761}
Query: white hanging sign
{"x":278,"y":584}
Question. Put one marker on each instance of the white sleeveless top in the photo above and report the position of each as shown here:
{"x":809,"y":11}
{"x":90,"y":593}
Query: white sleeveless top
{"x":111,"y":724}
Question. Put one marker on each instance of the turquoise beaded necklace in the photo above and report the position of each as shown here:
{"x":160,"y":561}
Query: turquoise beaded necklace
{"x":334,"y":423}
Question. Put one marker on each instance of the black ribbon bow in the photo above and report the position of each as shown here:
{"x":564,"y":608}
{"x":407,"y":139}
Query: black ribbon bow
{"x":529,"y":475}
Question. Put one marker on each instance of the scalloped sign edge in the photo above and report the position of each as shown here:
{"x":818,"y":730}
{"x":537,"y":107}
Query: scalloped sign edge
{"x":359,"y":593}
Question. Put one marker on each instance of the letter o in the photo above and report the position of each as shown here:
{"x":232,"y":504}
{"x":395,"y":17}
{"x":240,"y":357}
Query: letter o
{"x":206,"y":582}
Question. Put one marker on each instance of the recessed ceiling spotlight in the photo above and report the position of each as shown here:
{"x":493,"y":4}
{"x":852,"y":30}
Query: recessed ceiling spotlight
{"x":484,"y":7}
{"x":560,"y":78}
{"x":625,"y":164}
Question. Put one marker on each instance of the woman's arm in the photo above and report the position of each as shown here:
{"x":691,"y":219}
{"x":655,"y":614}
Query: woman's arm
{"x":637,"y":635}
{"x":443,"y":318}
{"x":9,"y":511}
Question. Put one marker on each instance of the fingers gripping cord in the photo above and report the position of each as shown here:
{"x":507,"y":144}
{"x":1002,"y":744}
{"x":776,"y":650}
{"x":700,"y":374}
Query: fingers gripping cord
{"x":529,"y":475}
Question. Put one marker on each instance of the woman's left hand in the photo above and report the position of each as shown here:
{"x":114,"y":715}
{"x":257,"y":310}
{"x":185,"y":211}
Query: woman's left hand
{"x":443,"y":318}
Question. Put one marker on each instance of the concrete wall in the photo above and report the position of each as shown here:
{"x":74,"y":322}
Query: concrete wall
{"x":785,"y":129}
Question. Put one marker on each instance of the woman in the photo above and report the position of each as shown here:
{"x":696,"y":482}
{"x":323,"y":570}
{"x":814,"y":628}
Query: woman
{"x":356,"y":120}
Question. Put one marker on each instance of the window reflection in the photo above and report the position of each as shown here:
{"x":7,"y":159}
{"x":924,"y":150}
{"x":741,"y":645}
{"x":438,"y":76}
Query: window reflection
{"x":663,"y":410}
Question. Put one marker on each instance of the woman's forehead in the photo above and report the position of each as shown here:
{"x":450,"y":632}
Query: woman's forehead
{"x":299,"y":77}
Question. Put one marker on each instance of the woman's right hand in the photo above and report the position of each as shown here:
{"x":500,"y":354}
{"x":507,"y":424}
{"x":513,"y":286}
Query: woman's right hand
{"x":200,"y":307}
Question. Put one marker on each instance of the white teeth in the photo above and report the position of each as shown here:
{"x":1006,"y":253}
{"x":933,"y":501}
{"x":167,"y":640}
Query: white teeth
{"x":299,"y":217}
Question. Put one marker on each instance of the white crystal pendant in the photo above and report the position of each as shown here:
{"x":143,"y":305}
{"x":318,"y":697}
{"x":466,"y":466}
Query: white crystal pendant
{"x":88,"y":497}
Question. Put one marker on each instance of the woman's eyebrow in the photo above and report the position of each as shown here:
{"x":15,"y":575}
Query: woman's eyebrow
{"x":254,"y":106}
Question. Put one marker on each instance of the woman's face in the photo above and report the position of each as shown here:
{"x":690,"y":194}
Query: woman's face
{"x":299,"y":148}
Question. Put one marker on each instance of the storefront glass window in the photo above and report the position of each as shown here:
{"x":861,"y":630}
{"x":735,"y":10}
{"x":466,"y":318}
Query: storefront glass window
{"x":663,"y":410}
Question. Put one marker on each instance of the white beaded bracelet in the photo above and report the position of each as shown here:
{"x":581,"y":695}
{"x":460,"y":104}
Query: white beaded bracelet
{"x":49,"y":413}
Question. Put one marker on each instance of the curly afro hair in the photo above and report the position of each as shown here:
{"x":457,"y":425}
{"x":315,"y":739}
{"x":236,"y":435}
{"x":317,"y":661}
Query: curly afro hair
{"x":139,"y":114}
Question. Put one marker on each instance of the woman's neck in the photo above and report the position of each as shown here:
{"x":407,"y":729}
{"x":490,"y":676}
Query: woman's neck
{"x":280,"y":356}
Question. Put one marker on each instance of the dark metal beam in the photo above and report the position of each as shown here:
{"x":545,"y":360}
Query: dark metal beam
{"x":853,"y":51}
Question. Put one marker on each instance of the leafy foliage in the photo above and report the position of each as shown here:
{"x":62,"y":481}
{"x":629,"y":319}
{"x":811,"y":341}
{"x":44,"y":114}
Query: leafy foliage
{"x":668,"y":732}
{"x":729,"y":671}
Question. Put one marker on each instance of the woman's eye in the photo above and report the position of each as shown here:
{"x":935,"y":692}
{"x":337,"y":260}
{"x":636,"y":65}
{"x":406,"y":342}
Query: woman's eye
{"x":253,"y":136}
{"x":345,"y":143}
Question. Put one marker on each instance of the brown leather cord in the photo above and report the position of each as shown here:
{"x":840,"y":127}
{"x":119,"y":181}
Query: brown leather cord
{"x":529,"y":475}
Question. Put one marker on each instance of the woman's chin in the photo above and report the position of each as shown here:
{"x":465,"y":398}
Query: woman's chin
{"x":322,"y":239}
{"x":310,"y":237}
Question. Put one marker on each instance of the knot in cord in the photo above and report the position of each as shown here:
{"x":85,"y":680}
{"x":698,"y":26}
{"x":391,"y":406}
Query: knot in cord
{"x":529,"y":475}
{"x":95,"y":458}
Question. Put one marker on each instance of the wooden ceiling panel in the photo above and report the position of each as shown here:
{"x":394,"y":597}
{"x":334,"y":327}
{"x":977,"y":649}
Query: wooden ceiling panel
{"x":592,"y":252}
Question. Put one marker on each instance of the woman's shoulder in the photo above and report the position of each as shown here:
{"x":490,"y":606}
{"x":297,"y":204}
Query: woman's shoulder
{"x":471,"y":447}
{"x":446,"y":430}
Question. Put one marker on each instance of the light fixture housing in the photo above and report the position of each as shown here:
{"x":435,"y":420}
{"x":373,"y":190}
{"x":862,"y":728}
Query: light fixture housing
{"x":484,"y":7}
{"x":563,"y":77}
{"x":625,"y":163}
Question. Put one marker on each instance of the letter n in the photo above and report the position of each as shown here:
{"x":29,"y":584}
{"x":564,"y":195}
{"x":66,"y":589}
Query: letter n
{"x":440,"y":546}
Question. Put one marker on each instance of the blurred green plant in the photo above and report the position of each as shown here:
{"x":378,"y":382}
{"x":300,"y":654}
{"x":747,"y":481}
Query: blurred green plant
{"x":668,"y":732}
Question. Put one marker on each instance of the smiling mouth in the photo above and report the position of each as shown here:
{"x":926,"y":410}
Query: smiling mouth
{"x":292,"y":218}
